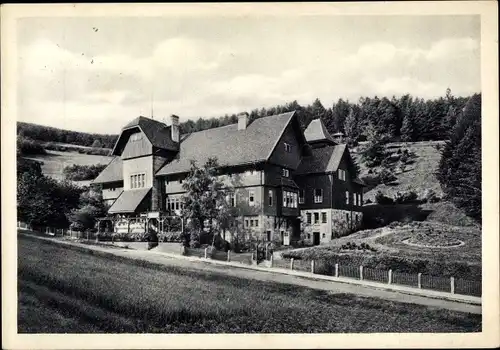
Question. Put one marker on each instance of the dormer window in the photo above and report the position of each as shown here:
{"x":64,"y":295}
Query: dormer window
{"x":285,"y":172}
{"x":288,"y":147}
{"x":342,"y":174}
{"x":136,"y":137}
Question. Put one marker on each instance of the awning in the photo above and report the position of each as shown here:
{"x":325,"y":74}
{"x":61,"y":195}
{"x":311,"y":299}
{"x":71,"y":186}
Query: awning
{"x":128,"y":201}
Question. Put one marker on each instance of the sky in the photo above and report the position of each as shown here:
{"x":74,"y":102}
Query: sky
{"x":96,"y":74}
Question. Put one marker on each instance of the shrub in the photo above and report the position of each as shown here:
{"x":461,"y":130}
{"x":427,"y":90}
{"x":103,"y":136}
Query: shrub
{"x":26,"y":146}
{"x":404,"y":158}
{"x":405,"y":197}
{"x":77,"y":172}
{"x":386,"y":176}
{"x":170,"y":236}
{"x":430,"y":196}
{"x":381,"y":198}
{"x":354,"y":246}
{"x":394,"y":224}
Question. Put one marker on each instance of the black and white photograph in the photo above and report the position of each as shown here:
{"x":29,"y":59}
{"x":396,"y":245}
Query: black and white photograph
{"x":315,"y":172}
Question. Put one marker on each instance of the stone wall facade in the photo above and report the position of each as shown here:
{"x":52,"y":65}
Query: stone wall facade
{"x":338,"y":223}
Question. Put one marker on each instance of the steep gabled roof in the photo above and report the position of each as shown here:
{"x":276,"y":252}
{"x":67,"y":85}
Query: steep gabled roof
{"x":157,"y":133}
{"x":113,"y":172}
{"x":316,"y":132}
{"x":322,"y":160}
{"x":230,"y":145}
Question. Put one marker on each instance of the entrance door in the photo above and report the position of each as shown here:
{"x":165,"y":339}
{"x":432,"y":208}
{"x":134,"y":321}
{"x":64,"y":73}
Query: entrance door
{"x":316,"y":238}
{"x":286,"y":237}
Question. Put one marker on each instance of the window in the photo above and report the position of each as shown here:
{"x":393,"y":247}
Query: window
{"x":174,"y":203}
{"x":268,"y":235}
{"x":285,"y":172}
{"x":289,"y":199}
{"x":301,"y":196}
{"x":246,"y":223}
{"x":232,"y":199}
{"x":288,"y":147}
{"x":270,"y":197}
{"x":180,"y":181}
{"x":136,"y":137}
{"x":251,"y":197}
{"x":318,"y":195}
{"x":138,"y":181}
{"x":324,"y":235}
{"x":308,"y":215}
{"x":347,"y":217}
{"x":256,"y":223}
{"x":346,"y":197}
{"x":323,"y":217}
{"x":308,"y":236}
{"x":316,"y":218}
{"x":251,"y":223}
{"x":342,"y":174}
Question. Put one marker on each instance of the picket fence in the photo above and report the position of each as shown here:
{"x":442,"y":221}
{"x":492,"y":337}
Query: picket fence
{"x":445,"y":284}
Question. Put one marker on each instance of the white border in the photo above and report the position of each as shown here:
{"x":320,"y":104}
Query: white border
{"x":489,"y":337}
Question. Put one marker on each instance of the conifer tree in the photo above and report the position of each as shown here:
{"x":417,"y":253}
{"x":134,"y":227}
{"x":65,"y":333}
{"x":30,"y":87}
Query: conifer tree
{"x":408,"y":127}
{"x":460,"y":166}
{"x":351,"y":127}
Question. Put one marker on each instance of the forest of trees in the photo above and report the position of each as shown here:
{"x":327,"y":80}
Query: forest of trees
{"x":50,"y":134}
{"x":405,"y":118}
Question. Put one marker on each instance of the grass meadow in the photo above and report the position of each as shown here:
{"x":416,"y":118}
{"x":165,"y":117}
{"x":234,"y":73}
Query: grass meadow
{"x":71,"y":291}
{"x":55,"y":161}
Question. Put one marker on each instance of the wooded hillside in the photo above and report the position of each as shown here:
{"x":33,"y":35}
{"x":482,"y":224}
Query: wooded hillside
{"x":406,"y":118}
{"x":50,"y":134}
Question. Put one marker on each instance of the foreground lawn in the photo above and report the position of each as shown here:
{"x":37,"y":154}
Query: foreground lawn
{"x":65,"y":290}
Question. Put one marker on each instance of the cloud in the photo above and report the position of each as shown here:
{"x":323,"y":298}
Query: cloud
{"x":451,"y":48}
{"x":194,"y":77}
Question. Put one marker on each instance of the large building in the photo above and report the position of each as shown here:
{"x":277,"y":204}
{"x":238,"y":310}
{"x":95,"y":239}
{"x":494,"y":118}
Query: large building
{"x":285,"y":184}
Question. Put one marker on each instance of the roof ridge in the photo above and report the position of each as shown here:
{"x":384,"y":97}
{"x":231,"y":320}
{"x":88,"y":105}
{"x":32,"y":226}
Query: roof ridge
{"x":232,"y":124}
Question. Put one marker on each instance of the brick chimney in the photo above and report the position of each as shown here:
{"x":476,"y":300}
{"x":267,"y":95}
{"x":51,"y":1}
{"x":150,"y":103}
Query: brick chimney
{"x":174,"y":122}
{"x":242,"y":121}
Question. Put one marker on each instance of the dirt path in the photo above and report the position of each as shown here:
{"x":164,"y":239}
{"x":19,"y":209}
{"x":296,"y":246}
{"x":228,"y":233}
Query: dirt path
{"x":333,"y":287}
